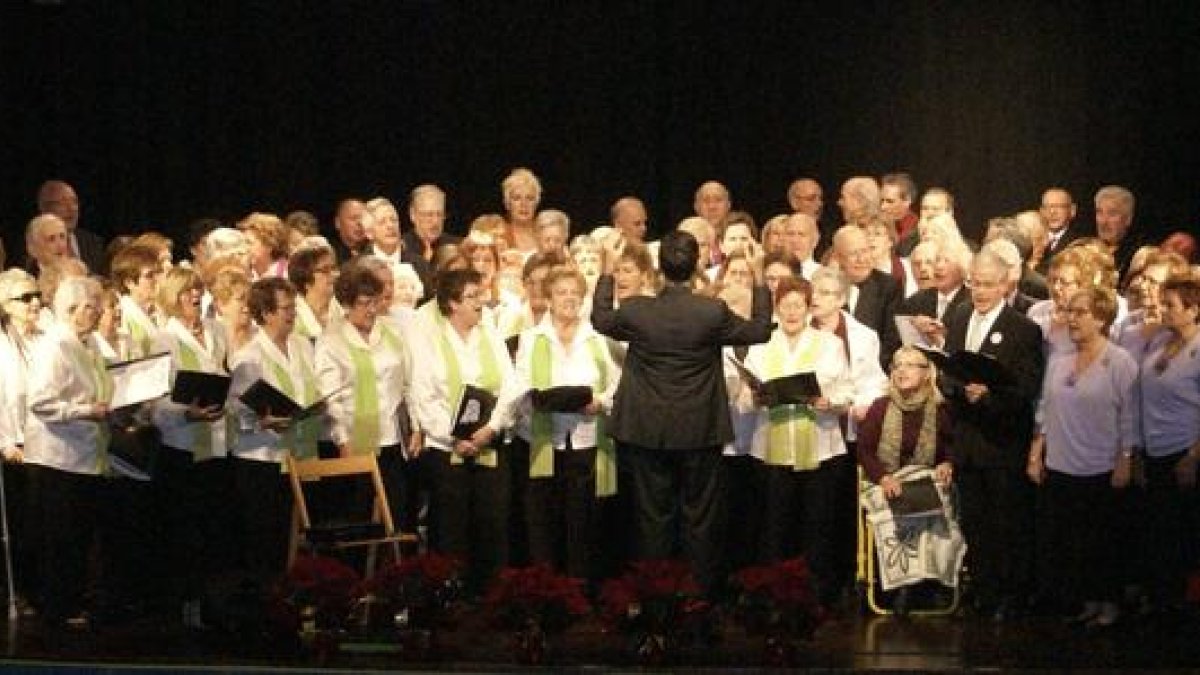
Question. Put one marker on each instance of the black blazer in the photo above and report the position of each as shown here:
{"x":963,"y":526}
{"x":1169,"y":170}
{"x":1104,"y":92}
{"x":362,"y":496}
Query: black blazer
{"x":1033,"y":284}
{"x":1073,"y":231}
{"x":924,"y":302}
{"x":91,"y":250}
{"x":879,"y":296}
{"x":672,"y":390}
{"x":995,"y":432}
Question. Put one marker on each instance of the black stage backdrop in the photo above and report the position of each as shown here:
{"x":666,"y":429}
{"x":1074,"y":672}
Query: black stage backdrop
{"x":162,"y":111}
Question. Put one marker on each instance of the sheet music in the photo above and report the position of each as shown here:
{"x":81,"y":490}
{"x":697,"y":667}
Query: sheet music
{"x":140,"y":380}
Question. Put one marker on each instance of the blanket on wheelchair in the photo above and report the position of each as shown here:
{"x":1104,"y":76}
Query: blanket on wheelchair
{"x":914,"y":548}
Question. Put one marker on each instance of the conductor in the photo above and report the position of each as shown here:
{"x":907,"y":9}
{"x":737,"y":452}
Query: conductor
{"x":670,"y":414}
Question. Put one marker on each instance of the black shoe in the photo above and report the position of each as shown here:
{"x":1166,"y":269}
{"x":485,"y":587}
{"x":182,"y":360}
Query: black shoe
{"x":900,"y":601}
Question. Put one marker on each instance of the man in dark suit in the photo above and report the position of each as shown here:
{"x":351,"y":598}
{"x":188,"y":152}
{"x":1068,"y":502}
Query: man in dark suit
{"x":427,"y":213}
{"x":350,"y":235}
{"x":929,"y":306}
{"x":59,"y":198}
{"x":875,"y":295}
{"x":1058,"y":209}
{"x":671,"y":413}
{"x":993,"y":425}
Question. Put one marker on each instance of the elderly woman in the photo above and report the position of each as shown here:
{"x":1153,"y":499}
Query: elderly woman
{"x":1070,"y":271}
{"x":522,"y":193}
{"x":470,"y":478}
{"x":1170,"y":405}
{"x":800,"y":443}
{"x":66,"y":444}
{"x":136,"y":270}
{"x":908,"y":426}
{"x":268,"y":241}
{"x":313,"y":271}
{"x":363,"y":366}
{"x":283,"y":359}
{"x":229,"y":289}
{"x":572,"y":462}
{"x":192,"y":478}
{"x":161,"y":244}
{"x":1082,"y":449}
{"x":20,"y":309}
{"x":588,"y":254}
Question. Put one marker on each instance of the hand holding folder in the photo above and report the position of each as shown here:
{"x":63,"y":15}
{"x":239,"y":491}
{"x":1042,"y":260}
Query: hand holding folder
{"x":799,"y":388}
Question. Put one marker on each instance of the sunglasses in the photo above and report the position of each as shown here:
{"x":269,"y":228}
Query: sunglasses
{"x":28,"y":297}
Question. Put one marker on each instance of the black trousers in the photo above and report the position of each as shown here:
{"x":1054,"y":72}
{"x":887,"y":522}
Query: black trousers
{"x":23,"y":524}
{"x":66,"y":507}
{"x":561,"y":513}
{"x":198,"y":524}
{"x":1170,"y":529}
{"x":471,"y":514}
{"x":747,"y":504}
{"x":998,"y":522}
{"x":1080,"y":520}
{"x":129,"y":529}
{"x":801,"y":519}
{"x":264,"y":505}
{"x":681,"y":500}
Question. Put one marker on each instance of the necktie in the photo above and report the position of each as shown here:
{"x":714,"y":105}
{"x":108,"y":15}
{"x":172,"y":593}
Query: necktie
{"x":975,"y":332}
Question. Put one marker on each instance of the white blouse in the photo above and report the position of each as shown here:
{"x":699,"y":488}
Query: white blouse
{"x":249,"y":365}
{"x":335,"y":370}
{"x":62,"y":391}
{"x":171,"y":418}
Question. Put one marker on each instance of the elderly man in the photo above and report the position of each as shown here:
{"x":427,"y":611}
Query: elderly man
{"x":427,"y":213}
{"x":1114,"y":224}
{"x":351,"y":236}
{"x":874,"y":295}
{"x":628,"y":216}
{"x":1030,"y":286}
{"x":1058,"y":209}
{"x":859,"y":200}
{"x":59,"y":198}
{"x":992,"y":429}
{"x":804,"y":195}
{"x":896,"y":194}
{"x":929,"y":306}
{"x":45,"y":242}
{"x":800,"y":239}
{"x":553,"y":230}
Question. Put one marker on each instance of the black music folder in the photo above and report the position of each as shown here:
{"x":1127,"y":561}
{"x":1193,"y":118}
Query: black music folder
{"x":919,"y":497}
{"x":571,"y":399}
{"x":205,"y":389}
{"x":265,"y":399}
{"x":473,"y":411}
{"x":967,"y":366}
{"x":800,"y":388}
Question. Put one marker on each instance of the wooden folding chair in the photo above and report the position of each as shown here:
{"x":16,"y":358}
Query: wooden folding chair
{"x":375,"y":531}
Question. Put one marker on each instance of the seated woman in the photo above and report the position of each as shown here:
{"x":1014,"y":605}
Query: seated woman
{"x":1083,"y":450}
{"x":799,"y":442}
{"x":908,"y":427}
{"x":572,"y":462}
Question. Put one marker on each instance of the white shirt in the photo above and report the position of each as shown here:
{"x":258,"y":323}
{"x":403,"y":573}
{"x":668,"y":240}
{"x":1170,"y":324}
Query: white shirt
{"x":570,"y":365}
{"x":431,"y":398}
{"x":867,"y":378}
{"x":135,"y":322}
{"x":14,"y":381}
{"x":252,"y":363}
{"x":307,"y":323}
{"x":171,"y":418}
{"x":61,"y":393}
{"x":335,"y":370}
{"x":978,"y":326}
{"x":832,"y":374}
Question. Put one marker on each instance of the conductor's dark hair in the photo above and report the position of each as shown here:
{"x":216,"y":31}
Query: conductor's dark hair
{"x":677,"y":255}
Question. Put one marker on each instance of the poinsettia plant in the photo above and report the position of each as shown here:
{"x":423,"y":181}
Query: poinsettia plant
{"x":317,"y":590}
{"x":420,"y":587}
{"x":535,"y":594}
{"x":652,"y":596}
{"x":778,"y":598}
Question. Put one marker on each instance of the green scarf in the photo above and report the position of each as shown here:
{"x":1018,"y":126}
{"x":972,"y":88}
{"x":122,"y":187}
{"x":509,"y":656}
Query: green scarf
{"x":489,"y":379}
{"x":93,"y":364}
{"x":793,"y":430}
{"x":541,"y":462}
{"x":364,"y":437}
{"x":202,"y":432}
{"x":301,"y":437}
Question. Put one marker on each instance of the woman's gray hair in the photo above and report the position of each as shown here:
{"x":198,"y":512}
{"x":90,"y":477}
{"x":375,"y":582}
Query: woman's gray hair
{"x":835,"y":275}
{"x":72,"y":292}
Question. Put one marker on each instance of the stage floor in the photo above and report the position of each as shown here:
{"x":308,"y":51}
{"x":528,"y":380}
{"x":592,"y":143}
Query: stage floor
{"x":846,"y":643}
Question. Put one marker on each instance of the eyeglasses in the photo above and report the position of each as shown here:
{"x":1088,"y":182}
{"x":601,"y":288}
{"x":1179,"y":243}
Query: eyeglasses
{"x":27,"y":297}
{"x":902,"y":364}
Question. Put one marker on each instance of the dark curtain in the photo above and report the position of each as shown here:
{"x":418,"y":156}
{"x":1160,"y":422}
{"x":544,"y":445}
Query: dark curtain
{"x":160,"y":112}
